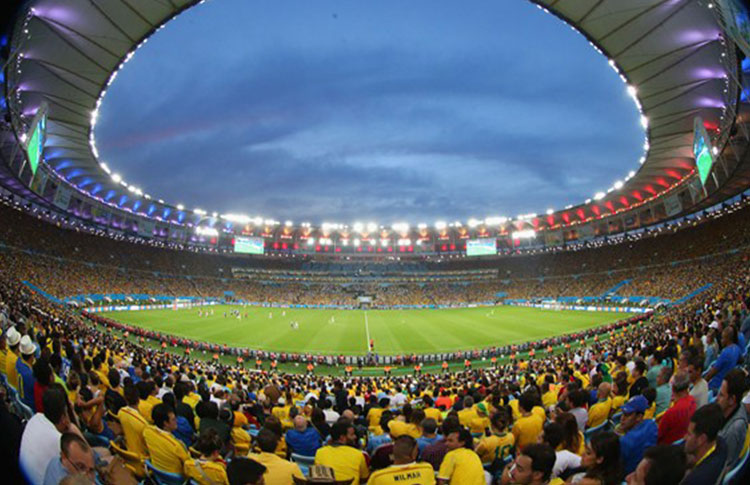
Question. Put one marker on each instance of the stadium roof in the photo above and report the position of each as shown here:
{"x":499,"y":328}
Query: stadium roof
{"x":671,"y":54}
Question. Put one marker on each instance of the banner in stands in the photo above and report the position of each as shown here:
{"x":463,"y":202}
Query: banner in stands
{"x":584,"y":308}
{"x":672,"y":205}
{"x":62,"y":197}
{"x":130,"y":308}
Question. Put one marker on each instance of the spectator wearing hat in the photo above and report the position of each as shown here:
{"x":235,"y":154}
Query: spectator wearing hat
{"x":482,"y":422}
{"x":24,"y":369}
{"x":674,"y":423}
{"x":639,"y":433}
{"x":13,"y":338}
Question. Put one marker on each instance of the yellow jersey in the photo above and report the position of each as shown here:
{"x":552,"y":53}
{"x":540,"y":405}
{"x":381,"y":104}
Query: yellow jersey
{"x":495,"y":446}
{"x":599,"y":413}
{"x":434,"y":413}
{"x":10,"y":368}
{"x":166,"y":452}
{"x":215,"y":471}
{"x":400,"y":428}
{"x":347,"y":462}
{"x":462,"y":467}
{"x":527,"y":429}
{"x":278,"y":470}
{"x":133,"y":424}
{"x":409,"y":474}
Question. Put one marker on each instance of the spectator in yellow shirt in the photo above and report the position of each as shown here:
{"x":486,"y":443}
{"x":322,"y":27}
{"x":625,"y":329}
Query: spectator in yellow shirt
{"x":278,"y":470}
{"x":132,"y":422}
{"x":461,"y":465}
{"x":342,"y":455}
{"x":468,"y":413}
{"x":405,"y":470}
{"x":528,"y":427}
{"x":599,"y":412}
{"x":209,"y":469}
{"x":500,"y":443}
{"x":482,"y":421}
{"x":167,"y":452}
{"x":430,"y":411}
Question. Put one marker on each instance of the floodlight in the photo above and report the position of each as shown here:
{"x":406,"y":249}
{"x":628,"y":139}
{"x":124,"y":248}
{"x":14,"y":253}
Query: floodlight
{"x":116,"y":178}
{"x":359,"y":227}
{"x":372,"y":227}
{"x":550,"y":212}
{"x":180,"y":207}
{"x":599,"y":195}
{"x":618,"y":185}
{"x":440,"y":225}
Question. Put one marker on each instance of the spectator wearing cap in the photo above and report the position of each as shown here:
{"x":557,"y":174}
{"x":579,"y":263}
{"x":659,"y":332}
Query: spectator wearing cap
{"x":639,"y":433}
{"x":24,"y":369}
{"x":706,"y":452}
{"x":13,"y":338}
{"x":482,"y":422}
{"x":735,"y":416}
{"x":674,"y":423}
{"x":727,"y":360}
{"x":278,"y":470}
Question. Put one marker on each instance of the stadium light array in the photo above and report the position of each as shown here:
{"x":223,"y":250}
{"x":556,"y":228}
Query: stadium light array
{"x":495,"y":221}
{"x":440,"y":225}
{"x":400,"y":227}
{"x":525,"y":234}
{"x":206,"y":231}
{"x":116,"y":178}
{"x":372,"y":227}
{"x":180,"y":207}
{"x":599,"y":195}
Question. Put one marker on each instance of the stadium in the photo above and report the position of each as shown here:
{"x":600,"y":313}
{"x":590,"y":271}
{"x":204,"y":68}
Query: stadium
{"x":144,"y":341}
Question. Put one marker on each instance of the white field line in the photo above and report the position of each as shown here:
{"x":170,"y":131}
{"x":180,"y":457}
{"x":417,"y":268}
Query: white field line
{"x":367,"y":331}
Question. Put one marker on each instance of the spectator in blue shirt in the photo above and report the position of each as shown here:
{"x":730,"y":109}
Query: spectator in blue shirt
{"x":728,"y":358}
{"x":303,"y":440}
{"x":26,"y":378}
{"x":640,"y":433}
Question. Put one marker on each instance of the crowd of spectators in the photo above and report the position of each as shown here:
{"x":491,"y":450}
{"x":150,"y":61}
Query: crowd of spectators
{"x":657,"y":401}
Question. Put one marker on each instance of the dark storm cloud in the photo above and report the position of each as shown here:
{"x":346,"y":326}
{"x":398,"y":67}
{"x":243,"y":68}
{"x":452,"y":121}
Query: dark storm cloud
{"x":406,"y":125}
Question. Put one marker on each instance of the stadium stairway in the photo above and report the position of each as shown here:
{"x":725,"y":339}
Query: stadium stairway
{"x":691,"y":294}
{"x":613,"y":291}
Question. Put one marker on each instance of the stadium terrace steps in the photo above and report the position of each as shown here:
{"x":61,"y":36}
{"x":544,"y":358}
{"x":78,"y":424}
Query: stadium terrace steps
{"x":692,"y":294}
{"x":613,"y":291}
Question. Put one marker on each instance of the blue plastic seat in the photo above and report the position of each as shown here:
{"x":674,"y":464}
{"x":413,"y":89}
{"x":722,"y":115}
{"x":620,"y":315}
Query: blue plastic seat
{"x":164,"y":478}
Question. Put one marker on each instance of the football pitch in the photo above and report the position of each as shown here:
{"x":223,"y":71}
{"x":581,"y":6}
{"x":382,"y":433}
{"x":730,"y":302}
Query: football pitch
{"x":323,"y":331}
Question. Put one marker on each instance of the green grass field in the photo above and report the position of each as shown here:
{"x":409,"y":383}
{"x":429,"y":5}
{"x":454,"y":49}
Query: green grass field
{"x":394,"y":331}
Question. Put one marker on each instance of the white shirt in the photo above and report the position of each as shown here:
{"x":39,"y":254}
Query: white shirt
{"x":565,"y":460}
{"x":398,"y":400}
{"x":40,"y":443}
{"x":331,"y":416}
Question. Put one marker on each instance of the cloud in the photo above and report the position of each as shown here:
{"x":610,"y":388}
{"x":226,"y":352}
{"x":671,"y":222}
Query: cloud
{"x":351,"y":122}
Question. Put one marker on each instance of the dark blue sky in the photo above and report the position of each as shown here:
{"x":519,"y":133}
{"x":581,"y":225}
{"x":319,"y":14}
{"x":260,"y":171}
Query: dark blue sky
{"x":341,"y":111}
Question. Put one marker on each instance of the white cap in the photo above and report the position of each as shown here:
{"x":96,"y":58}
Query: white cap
{"x":12,"y":336}
{"x":27,"y":346}
{"x":281,"y":401}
